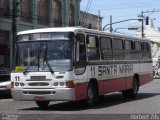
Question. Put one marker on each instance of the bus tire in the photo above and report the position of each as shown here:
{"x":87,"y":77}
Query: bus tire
{"x":92,"y":95}
{"x":42,"y":104}
{"x":132,"y":93}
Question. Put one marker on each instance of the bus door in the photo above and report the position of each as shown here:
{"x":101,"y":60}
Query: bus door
{"x":80,"y":67}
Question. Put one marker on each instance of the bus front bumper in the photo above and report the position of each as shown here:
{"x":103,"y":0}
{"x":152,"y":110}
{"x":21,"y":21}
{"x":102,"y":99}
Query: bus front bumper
{"x":63,"y":94}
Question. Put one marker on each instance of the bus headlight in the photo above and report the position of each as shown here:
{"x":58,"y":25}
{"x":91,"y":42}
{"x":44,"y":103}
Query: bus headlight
{"x":62,"y":83}
{"x":55,"y":84}
{"x":22,"y":84}
{"x":16,"y":84}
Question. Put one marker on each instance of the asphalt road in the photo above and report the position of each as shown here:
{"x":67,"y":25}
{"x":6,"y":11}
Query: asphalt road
{"x":146,"y":106}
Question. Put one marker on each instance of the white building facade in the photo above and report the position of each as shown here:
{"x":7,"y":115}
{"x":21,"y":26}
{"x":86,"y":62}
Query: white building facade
{"x":152,"y":33}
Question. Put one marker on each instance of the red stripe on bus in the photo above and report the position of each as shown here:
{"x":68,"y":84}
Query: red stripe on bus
{"x":111,"y":85}
{"x":81,"y":91}
{"x":145,"y":79}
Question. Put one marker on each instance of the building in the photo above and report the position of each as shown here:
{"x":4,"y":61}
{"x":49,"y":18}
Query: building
{"x":152,"y":33}
{"x":31,"y":14}
{"x":91,"y":21}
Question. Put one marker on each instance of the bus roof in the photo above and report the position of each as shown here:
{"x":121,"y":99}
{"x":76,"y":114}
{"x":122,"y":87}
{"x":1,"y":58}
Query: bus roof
{"x":56,"y":29}
{"x":77,"y":29}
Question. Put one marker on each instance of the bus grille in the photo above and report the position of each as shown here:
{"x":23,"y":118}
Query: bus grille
{"x":38,"y":78}
{"x":38,"y":92}
{"x":38,"y":84}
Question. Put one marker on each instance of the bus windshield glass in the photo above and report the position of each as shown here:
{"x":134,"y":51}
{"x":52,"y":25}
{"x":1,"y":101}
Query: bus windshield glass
{"x":46,"y":56}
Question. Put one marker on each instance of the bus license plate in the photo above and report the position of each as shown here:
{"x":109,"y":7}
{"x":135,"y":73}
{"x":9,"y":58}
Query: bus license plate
{"x":39,"y":98}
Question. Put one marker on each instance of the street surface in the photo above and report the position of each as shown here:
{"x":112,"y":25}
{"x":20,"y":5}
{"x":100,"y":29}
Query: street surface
{"x":146,"y":105}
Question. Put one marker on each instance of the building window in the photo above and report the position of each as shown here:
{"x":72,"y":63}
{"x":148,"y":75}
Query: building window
{"x":4,"y":8}
{"x":57,"y":13}
{"x":26,"y":10}
{"x":71,"y":16}
{"x":43,"y":11}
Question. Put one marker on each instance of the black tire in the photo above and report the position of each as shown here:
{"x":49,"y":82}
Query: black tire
{"x":92,"y":95}
{"x":132,"y":93}
{"x":42,"y":104}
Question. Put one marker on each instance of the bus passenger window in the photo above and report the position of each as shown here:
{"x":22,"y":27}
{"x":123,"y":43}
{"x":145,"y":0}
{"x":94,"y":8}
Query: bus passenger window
{"x":118,"y":53}
{"x":138,"y":50}
{"x":146,"y":51}
{"x":106,"y":48}
{"x":92,"y":48}
{"x":129,"y":50}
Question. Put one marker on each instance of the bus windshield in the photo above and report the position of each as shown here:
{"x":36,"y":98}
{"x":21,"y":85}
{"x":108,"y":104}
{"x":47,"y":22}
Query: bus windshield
{"x":44,"y":55}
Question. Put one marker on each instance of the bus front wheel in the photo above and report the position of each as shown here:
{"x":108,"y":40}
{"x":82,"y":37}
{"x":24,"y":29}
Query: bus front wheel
{"x":92,"y":95}
{"x":42,"y":104}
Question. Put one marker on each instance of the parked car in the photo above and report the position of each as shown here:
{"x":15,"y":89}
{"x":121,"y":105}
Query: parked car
{"x":5,"y":85}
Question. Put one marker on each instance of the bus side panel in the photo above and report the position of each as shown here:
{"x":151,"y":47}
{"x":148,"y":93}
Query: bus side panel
{"x":80,"y":91}
{"x":146,"y":70}
{"x":146,"y":78}
{"x":129,"y":81}
{"x":113,"y":85}
{"x":101,"y":87}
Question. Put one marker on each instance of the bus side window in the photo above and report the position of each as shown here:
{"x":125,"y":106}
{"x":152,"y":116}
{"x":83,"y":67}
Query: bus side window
{"x":118,"y":53}
{"x":93,"y":48}
{"x":106,"y":48}
{"x":138,"y":50}
{"x":129,"y":50}
{"x":82,"y":47}
{"x":146,"y":51}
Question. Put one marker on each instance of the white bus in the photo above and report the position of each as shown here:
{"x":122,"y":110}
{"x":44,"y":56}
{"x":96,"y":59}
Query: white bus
{"x":74,"y":63}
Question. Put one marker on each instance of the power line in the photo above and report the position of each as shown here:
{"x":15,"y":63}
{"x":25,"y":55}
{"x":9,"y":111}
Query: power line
{"x":88,"y":5}
{"x":129,"y":3}
{"x":122,"y":8}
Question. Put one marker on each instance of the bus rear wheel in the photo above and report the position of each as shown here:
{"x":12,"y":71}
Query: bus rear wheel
{"x":92,"y":95}
{"x":42,"y":104}
{"x":131,"y":93}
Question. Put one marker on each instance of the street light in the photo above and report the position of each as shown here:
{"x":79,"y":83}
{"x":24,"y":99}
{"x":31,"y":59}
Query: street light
{"x":133,"y":28}
{"x":139,"y":19}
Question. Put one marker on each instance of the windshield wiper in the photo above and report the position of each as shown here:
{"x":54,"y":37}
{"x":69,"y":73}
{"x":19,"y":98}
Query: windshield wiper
{"x":46,"y":60}
{"x":36,"y":58}
{"x":24,"y":72}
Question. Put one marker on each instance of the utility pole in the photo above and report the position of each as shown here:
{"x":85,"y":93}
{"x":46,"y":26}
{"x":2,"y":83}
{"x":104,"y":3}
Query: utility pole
{"x":111,"y":29}
{"x":14,"y":28}
{"x":142,"y":24}
{"x":15,"y":4}
{"x":99,"y":23}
